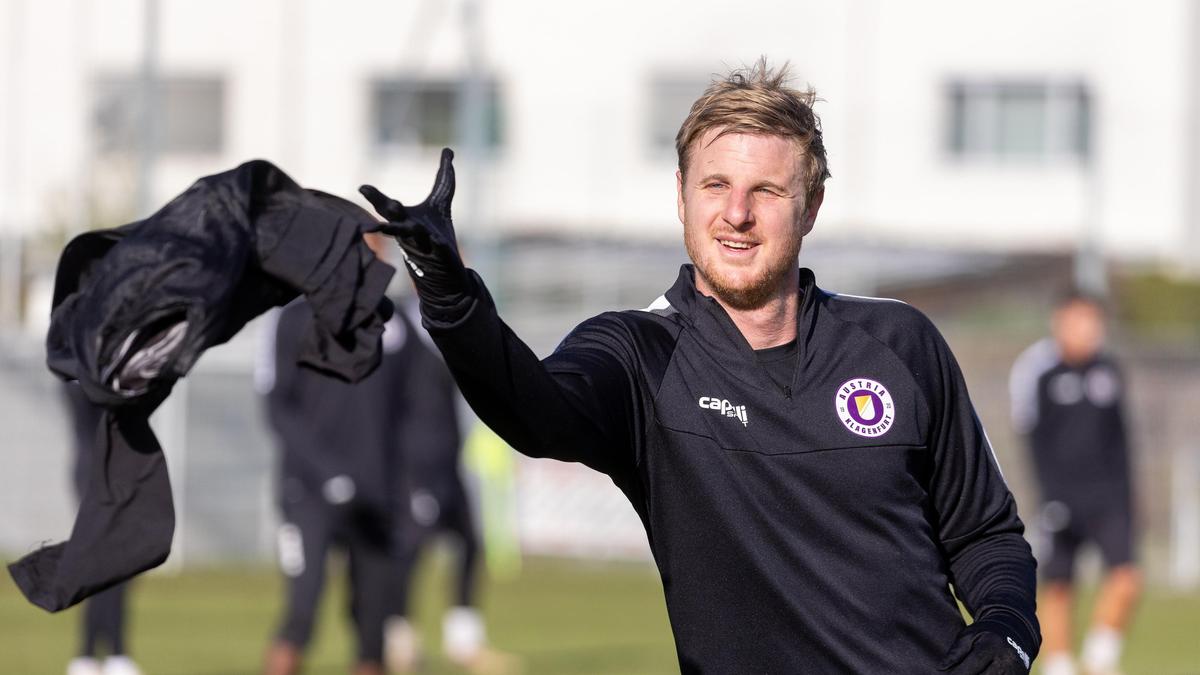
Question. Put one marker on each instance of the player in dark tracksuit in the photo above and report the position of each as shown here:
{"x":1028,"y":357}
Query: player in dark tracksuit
{"x":1068,"y":400}
{"x":432,"y":445}
{"x":339,"y":486}
{"x":809,"y":468}
{"x":438,"y":501}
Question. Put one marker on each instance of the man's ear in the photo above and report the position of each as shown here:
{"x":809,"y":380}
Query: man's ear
{"x":679,"y":194}
{"x":810,"y":211}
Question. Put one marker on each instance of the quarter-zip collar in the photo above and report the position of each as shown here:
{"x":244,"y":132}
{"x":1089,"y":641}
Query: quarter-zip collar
{"x":716,"y":332}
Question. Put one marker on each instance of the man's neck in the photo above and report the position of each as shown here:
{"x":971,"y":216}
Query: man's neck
{"x":771,"y":324}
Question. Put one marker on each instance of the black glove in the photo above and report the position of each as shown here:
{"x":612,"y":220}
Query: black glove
{"x":980,"y":651}
{"x":426,"y":237}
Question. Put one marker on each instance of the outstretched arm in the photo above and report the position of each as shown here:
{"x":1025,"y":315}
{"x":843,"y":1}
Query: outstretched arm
{"x":580,"y":404}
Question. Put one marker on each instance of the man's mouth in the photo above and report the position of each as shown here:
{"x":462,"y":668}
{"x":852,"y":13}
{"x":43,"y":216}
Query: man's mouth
{"x":737,"y":245}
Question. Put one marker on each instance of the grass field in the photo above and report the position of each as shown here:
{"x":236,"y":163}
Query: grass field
{"x":560,"y":617}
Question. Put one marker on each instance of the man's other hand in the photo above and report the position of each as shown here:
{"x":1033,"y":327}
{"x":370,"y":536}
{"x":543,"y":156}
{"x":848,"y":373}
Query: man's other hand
{"x":978,"y":651}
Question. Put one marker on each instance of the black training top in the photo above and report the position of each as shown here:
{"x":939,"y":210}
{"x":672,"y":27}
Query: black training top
{"x":339,"y":442}
{"x":814,"y":525}
{"x":1072,"y":416}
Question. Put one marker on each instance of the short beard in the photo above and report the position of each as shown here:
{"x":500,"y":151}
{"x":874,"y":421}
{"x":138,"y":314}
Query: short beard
{"x":760,"y":291}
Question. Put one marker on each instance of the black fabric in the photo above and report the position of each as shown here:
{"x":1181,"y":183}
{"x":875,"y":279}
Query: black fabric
{"x":372,"y":570}
{"x":328,"y":428}
{"x":780,"y":363}
{"x":786,"y":540}
{"x":134,"y":308}
{"x":334,"y":433}
{"x":1110,"y":529}
{"x":1079,"y":442}
{"x":426,"y":236}
{"x":439,"y":502}
{"x":103,"y":621}
{"x":983,"y":651}
{"x":446,"y":513}
{"x":1074,"y":421}
{"x":428,"y":415}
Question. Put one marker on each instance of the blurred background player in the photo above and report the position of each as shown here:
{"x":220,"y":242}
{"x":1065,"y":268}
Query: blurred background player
{"x":338,"y":485}
{"x":1068,"y":399}
{"x":439,"y":503}
{"x":103,"y":613}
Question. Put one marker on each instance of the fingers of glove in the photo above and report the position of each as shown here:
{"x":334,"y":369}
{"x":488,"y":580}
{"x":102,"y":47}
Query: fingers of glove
{"x":384,"y":205}
{"x":410,"y":234}
{"x":959,"y":651}
{"x":1008,"y":663}
{"x":975,"y":663}
{"x":443,"y":186}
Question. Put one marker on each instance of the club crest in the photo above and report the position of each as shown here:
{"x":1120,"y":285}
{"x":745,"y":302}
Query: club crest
{"x":865,"y":407}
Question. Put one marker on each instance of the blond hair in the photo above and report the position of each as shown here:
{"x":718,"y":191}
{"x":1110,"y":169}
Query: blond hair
{"x":757,"y":100}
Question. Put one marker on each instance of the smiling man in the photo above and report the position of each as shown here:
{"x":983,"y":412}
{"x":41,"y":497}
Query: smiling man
{"x":808,"y":466}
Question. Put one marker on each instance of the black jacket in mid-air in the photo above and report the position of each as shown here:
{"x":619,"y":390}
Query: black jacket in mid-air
{"x":133,"y":309}
{"x":810,"y":521}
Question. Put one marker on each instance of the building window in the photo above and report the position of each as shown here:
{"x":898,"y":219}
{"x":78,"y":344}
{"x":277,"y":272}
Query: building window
{"x":1019,"y":120}
{"x":425,"y":113}
{"x":671,"y":100}
{"x":189,"y":117}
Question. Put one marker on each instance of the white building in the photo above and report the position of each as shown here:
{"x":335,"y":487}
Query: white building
{"x":976,"y":127}
{"x":1005,"y":126}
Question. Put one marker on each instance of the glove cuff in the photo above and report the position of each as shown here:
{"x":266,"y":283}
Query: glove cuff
{"x":1015,"y":631}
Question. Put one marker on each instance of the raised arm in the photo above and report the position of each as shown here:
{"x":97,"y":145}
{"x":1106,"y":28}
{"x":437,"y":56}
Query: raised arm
{"x":580,"y":404}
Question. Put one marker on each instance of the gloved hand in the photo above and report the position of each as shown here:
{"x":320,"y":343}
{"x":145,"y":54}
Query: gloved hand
{"x":426,"y":237}
{"x":980,"y":651}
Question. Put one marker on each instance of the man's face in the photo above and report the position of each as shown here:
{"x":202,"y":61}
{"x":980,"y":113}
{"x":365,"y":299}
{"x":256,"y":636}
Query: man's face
{"x":1079,"y":330}
{"x":744,"y":215}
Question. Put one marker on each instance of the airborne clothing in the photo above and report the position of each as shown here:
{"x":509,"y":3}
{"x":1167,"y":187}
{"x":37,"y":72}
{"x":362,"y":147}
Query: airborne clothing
{"x":806,"y":521}
{"x":134,"y":307}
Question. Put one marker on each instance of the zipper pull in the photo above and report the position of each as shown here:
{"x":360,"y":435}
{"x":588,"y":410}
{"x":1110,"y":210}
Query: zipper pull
{"x":787,"y":393}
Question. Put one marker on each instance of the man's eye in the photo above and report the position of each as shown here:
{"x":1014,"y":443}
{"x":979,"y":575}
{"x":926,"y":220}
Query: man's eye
{"x":714,"y":186}
{"x":767,"y":191}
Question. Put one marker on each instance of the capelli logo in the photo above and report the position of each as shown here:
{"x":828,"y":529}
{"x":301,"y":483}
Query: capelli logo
{"x":726,"y":408}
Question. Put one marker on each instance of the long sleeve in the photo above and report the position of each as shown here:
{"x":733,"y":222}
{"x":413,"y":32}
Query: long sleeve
{"x":579,"y":404}
{"x":992,"y":567}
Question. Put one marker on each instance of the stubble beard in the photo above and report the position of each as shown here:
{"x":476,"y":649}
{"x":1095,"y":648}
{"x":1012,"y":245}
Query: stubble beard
{"x":758,"y":291}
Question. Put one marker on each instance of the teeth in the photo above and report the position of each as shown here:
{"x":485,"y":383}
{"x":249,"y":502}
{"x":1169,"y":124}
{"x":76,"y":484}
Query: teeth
{"x":735,"y":244}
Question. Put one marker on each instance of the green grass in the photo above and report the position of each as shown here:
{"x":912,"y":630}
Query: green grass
{"x":560,"y":617}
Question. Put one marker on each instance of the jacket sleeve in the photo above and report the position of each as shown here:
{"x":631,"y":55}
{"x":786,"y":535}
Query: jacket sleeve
{"x":580,"y":404}
{"x":991,"y":565}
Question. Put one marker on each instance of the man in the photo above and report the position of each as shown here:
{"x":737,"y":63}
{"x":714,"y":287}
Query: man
{"x":339,"y":485}
{"x":808,"y":467}
{"x":1067,"y":399}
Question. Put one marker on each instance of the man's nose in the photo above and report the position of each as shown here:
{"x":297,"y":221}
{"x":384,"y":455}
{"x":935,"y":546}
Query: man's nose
{"x":739,"y":212}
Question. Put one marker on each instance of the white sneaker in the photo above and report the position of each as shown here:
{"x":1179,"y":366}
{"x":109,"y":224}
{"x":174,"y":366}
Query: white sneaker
{"x":120,"y":665}
{"x":463,"y":634}
{"x":84,"y":665}
{"x":1058,"y":664}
